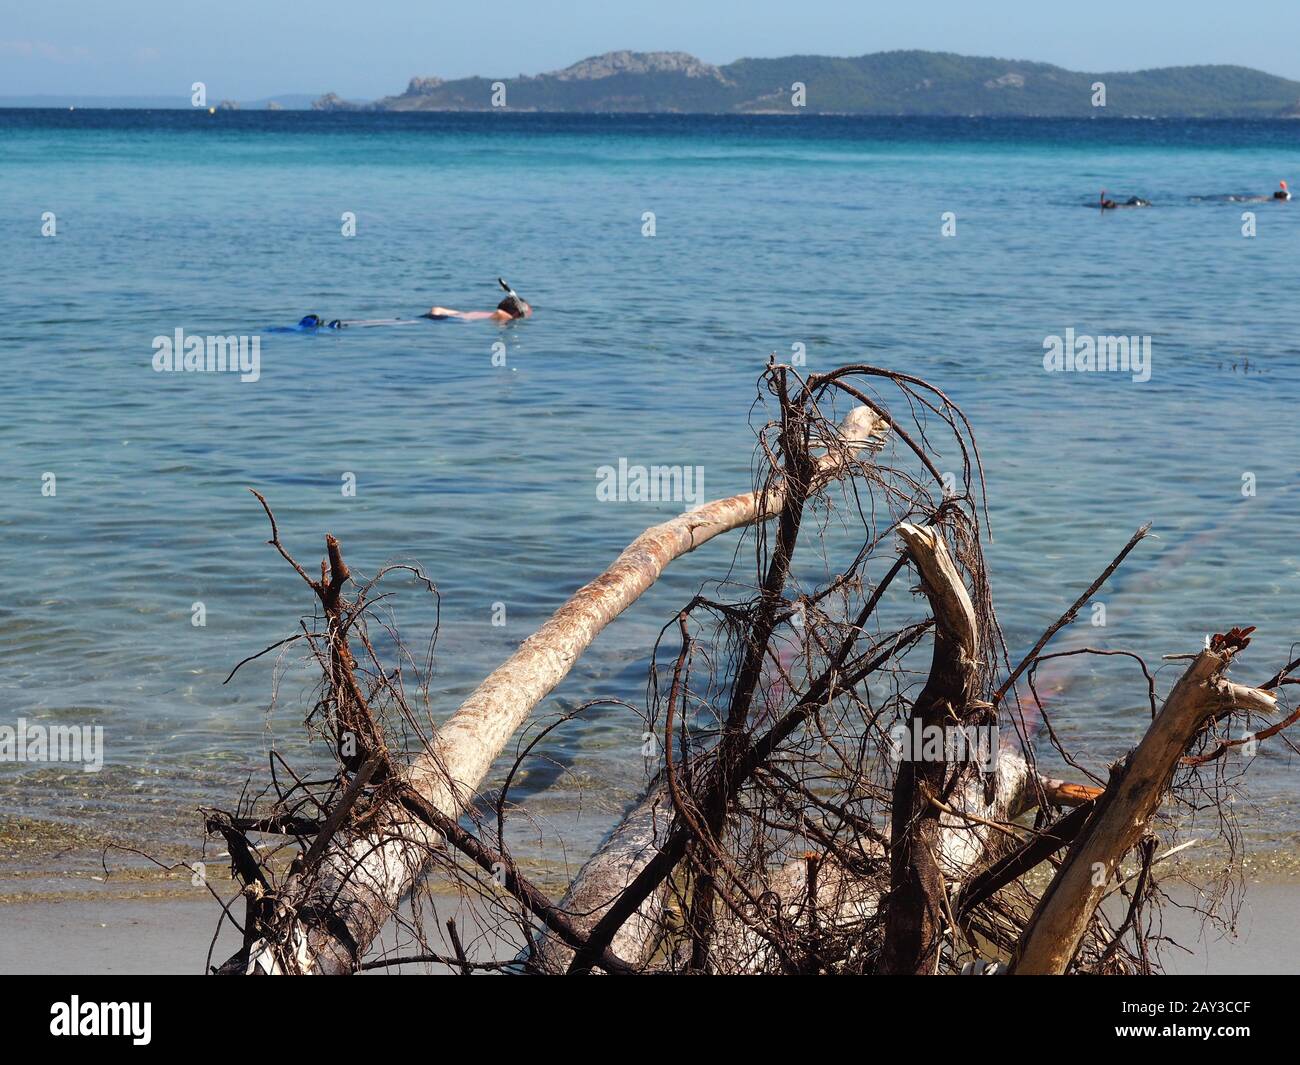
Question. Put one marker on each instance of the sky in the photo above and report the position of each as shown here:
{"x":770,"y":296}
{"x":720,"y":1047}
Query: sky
{"x":248,"y":49}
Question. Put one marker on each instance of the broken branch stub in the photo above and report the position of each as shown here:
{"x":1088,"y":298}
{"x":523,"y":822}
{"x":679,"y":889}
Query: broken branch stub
{"x":918,"y":883}
{"x":1124,"y":810}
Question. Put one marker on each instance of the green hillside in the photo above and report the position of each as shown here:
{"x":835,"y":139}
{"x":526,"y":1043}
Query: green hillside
{"x":886,"y":83}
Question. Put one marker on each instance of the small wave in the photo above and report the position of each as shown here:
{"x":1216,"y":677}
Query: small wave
{"x":1231,"y":197}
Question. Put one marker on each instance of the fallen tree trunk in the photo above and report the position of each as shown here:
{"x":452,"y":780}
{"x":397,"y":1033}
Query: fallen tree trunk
{"x":1124,"y":810}
{"x":361,"y":880}
{"x":612,"y":868}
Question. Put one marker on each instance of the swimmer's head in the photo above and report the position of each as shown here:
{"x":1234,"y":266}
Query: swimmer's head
{"x":515,"y":307}
{"x":512,"y":304}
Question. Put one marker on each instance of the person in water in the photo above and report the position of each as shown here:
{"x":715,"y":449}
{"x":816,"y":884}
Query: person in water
{"x":1283,"y":193}
{"x":508,"y":309}
{"x":1132,"y":201}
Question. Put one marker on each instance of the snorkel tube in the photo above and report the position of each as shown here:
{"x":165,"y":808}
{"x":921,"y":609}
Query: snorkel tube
{"x":512,"y":304}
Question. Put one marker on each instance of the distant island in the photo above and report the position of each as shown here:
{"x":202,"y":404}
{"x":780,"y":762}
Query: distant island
{"x":885,"y":83}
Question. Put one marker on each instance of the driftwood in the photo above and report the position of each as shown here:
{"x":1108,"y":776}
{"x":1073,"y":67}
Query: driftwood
{"x":958,"y":842}
{"x":362,"y":879}
{"x":1124,"y":811}
{"x":951,"y":696}
{"x":608,"y":872}
{"x":784,"y":833}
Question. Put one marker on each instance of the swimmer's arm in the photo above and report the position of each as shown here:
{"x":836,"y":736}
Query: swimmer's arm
{"x":468,"y":316}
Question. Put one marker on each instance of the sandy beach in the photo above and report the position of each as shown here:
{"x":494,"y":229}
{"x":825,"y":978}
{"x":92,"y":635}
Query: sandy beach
{"x":120,"y":932}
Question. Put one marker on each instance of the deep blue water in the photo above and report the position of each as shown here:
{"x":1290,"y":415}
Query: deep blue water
{"x":770,"y":232}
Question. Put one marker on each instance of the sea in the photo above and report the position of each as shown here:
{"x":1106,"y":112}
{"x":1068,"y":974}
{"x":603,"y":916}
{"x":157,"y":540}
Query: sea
{"x":668,"y":258}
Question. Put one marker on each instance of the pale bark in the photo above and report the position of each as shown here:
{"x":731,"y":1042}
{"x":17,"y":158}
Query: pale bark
{"x":615,"y":865}
{"x":1124,"y":811}
{"x":362,"y":879}
{"x":953,"y":611}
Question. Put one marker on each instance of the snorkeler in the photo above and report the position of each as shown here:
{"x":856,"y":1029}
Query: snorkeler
{"x":1132,"y":201}
{"x":508,"y":309}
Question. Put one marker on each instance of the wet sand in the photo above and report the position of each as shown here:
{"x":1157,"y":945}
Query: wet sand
{"x":139,"y":936}
{"x":1266,"y":939}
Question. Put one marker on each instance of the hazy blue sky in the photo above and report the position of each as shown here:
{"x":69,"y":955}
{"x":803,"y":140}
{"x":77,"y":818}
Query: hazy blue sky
{"x":246,"y":49}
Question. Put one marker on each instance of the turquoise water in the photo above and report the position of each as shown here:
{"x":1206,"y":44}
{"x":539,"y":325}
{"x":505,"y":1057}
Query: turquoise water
{"x":769,"y":233}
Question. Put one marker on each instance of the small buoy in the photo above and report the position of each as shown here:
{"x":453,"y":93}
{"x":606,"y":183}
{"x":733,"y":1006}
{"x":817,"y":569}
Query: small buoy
{"x":212,"y":110}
